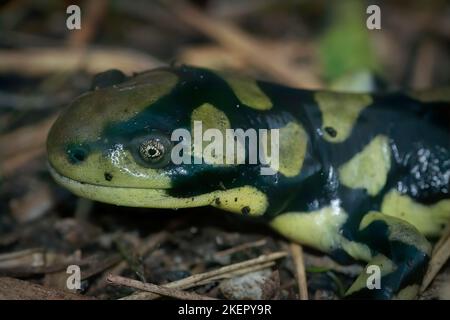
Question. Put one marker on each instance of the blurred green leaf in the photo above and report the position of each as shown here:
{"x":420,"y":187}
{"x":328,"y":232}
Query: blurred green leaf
{"x":314,"y":269}
{"x":345,"y":47}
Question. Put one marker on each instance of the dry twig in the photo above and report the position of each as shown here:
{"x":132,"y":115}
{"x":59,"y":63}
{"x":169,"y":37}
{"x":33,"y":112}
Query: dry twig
{"x":14,"y":289}
{"x":241,"y":247}
{"x":63,"y":60}
{"x":169,"y":292}
{"x":194,"y":280}
{"x":25,"y":138}
{"x":245,"y":46}
{"x":440,"y":256}
{"x":236,"y":273}
{"x":148,"y":244}
{"x":297,"y":256}
{"x":95,"y":12}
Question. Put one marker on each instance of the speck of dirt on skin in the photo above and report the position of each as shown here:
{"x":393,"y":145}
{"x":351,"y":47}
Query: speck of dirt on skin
{"x":108,"y":176}
{"x":331,"y":131}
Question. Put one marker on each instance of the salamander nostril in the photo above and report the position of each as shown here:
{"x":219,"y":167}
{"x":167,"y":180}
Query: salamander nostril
{"x":77,"y":154}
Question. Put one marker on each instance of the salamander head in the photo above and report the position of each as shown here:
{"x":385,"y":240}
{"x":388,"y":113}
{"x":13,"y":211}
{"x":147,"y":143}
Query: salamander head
{"x":115,"y":144}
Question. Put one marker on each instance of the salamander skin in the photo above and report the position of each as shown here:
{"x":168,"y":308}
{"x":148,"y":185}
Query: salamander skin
{"x":360,"y":176}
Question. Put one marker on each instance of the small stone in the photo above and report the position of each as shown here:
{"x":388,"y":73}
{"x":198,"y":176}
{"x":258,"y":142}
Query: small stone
{"x":263,"y":284}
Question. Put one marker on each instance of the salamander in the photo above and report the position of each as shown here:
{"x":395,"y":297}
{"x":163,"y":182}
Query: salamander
{"x":360,"y":176}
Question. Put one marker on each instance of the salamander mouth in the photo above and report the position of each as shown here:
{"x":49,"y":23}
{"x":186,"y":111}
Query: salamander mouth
{"x":129,"y":196}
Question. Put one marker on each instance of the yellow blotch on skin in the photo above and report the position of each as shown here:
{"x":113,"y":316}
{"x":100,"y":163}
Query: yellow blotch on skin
{"x":248,"y":92}
{"x":340,"y":111}
{"x":211,"y":118}
{"x":238,"y":200}
{"x":369,"y":168}
{"x":293,"y":142}
{"x":319,"y":229}
{"x":292,"y":145}
{"x":428,"y":219}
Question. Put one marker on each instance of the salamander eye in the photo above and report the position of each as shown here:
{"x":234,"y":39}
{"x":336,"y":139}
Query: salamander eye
{"x":153,"y":150}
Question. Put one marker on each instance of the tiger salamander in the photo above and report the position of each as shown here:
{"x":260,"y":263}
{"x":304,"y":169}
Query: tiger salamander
{"x":359,"y":176}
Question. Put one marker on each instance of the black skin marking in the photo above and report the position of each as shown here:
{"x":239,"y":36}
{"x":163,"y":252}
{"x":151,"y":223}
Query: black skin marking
{"x":108,"y":176}
{"x":217,"y":201}
{"x":245,"y":211}
{"x":331,"y":131}
{"x":235,"y":199}
{"x":77,"y":153}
